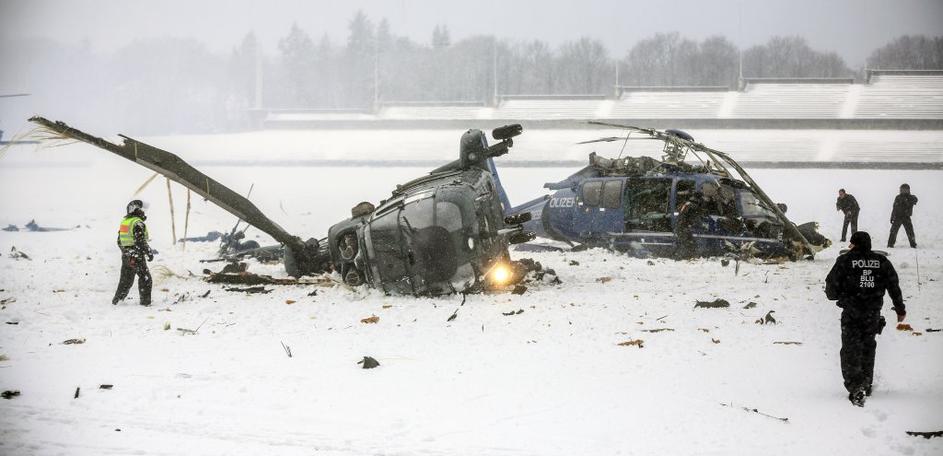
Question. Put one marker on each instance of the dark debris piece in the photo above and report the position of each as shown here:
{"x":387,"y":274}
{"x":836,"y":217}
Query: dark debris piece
{"x":369,"y":362}
{"x":715,"y":304}
{"x":513,"y":312}
{"x":73,"y":342}
{"x":8,"y":394}
{"x":16,"y":254}
{"x":519,"y":289}
{"x":105,"y":387}
{"x":926,"y":435}
{"x":250,"y":290}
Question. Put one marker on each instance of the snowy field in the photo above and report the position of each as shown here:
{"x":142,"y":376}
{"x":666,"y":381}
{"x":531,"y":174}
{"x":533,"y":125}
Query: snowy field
{"x":550,"y":380}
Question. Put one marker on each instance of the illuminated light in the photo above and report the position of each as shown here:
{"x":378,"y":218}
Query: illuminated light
{"x":500,"y":274}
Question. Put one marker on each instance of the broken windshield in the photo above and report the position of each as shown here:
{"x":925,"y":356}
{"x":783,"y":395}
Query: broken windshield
{"x":752,"y":207}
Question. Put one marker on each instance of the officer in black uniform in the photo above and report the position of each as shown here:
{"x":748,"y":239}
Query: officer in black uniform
{"x":132,"y":240}
{"x":900,"y":215}
{"x":858,"y":281}
{"x":690,"y":215}
{"x":849,"y":206}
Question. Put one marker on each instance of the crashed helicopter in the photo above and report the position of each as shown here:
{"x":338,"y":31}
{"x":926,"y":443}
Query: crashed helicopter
{"x":438,"y":234}
{"x":632,"y":204}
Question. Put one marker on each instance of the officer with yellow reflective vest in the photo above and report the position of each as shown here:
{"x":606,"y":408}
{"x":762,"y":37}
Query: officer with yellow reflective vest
{"x":132,"y":240}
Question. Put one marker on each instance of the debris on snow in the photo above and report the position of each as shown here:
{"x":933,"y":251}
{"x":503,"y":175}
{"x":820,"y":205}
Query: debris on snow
{"x":715,"y":304}
{"x":904,"y":327}
{"x":636,"y":342}
{"x":371,"y":319}
{"x":926,"y":435}
{"x":250,"y":290}
{"x":287,"y":349}
{"x":74,"y":341}
{"x":513,"y":312}
{"x":369,"y":362}
{"x":105,"y":386}
{"x":787,"y":342}
{"x":519,"y":289}
{"x":747,"y":409}
{"x":768,"y":319}
{"x":77,"y":389}
{"x":603,"y":279}
{"x":750,"y":305}
{"x":16,"y":254}
{"x":657,"y":330}
{"x":290,"y":301}
{"x":8,"y":394}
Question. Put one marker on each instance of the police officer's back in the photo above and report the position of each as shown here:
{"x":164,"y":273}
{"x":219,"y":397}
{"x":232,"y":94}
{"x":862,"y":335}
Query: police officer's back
{"x":858,"y":281}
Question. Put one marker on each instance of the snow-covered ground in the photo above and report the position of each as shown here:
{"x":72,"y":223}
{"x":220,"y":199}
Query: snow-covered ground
{"x":550,"y":380}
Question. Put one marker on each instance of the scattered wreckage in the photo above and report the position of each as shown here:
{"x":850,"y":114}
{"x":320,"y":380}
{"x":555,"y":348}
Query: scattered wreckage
{"x":438,"y":234}
{"x":632,"y":204}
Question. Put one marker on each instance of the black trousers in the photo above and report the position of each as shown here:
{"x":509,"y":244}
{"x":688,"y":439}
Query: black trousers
{"x":685,"y":245}
{"x":851,"y":218}
{"x":857,"y":348}
{"x":908,"y":227}
{"x":133,"y":265}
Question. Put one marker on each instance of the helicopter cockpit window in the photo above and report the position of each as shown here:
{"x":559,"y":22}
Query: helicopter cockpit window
{"x":647,"y":205}
{"x":592,"y":193}
{"x":612,"y":193}
{"x":684,"y":189}
{"x":753,"y":207}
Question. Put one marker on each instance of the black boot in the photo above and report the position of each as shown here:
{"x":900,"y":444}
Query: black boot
{"x":857,"y":397}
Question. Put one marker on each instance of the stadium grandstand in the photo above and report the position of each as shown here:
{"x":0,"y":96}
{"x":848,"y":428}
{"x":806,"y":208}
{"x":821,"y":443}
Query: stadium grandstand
{"x":893,"y":116}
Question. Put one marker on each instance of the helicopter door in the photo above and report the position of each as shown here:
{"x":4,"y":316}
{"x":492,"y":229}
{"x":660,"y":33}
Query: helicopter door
{"x":601,"y":208}
{"x":647,"y":205}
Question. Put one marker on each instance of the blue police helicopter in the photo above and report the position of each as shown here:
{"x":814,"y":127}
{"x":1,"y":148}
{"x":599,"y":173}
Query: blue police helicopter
{"x":695,"y":201}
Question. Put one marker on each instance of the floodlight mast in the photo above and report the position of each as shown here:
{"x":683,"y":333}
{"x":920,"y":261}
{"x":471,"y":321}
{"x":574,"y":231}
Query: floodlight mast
{"x":720,"y":161}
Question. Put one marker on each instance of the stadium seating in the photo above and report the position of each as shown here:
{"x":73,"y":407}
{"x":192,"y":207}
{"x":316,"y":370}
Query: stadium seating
{"x":900,"y":96}
{"x":668,"y":105}
{"x":790,"y":101}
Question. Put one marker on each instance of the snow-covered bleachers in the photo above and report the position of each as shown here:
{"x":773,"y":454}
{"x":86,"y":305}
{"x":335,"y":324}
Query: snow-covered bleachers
{"x":902,"y":96}
{"x":543,"y":108}
{"x":433,"y":111}
{"x":791,"y":100}
{"x":668,"y":104}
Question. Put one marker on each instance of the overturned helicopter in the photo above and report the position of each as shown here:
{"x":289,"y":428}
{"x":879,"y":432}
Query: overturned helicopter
{"x":438,"y":234}
{"x":632,"y":204}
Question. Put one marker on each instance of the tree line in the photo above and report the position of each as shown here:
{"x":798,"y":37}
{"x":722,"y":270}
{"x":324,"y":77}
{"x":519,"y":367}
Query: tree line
{"x":177,"y":85}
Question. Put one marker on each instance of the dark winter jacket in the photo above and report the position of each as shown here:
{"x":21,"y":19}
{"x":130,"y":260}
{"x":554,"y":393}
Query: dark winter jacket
{"x":692,"y":212}
{"x":859,"y":279}
{"x":847,"y":204}
{"x":903,"y":206}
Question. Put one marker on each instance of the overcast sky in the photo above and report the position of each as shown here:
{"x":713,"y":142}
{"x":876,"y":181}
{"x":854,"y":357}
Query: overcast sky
{"x":853,"y":28}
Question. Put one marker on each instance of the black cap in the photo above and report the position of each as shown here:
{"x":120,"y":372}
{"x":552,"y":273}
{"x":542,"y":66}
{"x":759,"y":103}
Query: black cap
{"x":907,"y":186}
{"x":861,"y":240}
{"x":841,"y":190}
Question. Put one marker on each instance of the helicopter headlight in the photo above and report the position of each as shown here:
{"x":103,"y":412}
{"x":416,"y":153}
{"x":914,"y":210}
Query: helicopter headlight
{"x":471,"y":243}
{"x":500,"y":274}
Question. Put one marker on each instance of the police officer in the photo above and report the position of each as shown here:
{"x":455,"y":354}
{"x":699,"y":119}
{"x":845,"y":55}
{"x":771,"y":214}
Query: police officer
{"x":858,"y":281}
{"x":900,"y":215}
{"x":690,"y":215}
{"x":132,"y":240}
{"x":849,"y":206}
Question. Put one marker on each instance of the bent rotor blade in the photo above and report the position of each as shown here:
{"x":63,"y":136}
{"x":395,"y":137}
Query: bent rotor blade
{"x":177,"y":170}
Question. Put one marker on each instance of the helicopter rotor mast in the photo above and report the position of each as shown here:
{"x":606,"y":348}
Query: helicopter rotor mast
{"x":719,"y":160}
